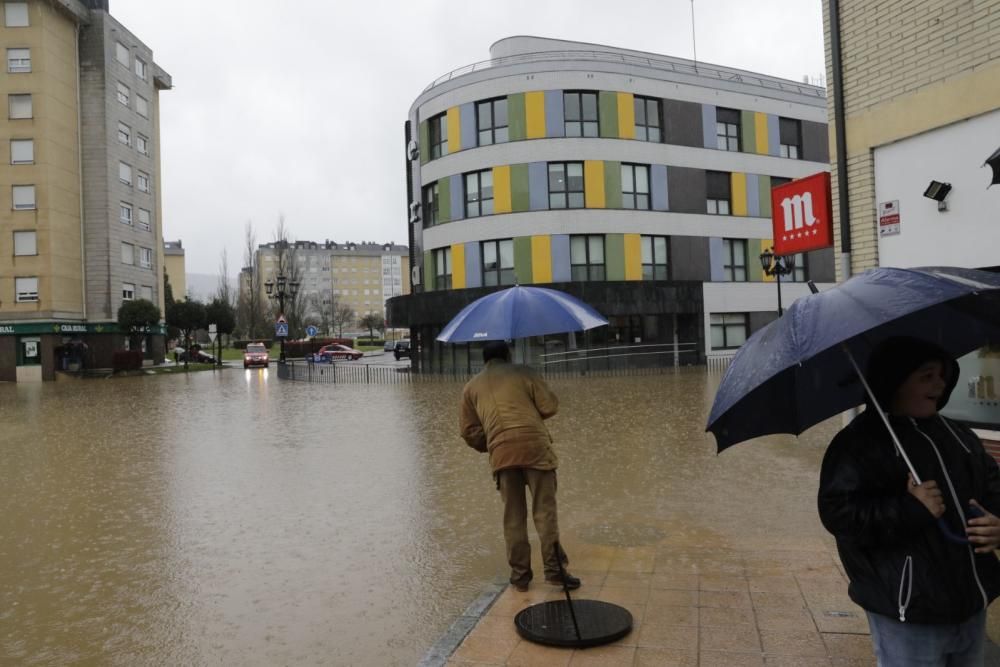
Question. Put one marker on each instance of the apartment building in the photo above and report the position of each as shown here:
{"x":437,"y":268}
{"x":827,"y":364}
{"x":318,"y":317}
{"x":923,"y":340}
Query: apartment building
{"x":80,"y":212}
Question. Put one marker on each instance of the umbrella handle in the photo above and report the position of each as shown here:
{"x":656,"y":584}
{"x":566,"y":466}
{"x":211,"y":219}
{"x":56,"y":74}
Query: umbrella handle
{"x":950,"y":534}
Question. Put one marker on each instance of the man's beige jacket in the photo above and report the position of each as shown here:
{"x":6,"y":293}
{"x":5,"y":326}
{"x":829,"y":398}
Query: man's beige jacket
{"x":502,"y":412}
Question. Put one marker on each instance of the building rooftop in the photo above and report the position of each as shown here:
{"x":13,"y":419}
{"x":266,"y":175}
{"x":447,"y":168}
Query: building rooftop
{"x":173,"y":248}
{"x":368,"y":248}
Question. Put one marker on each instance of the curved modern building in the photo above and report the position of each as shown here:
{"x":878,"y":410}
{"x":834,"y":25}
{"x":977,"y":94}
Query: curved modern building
{"x":637,"y":182}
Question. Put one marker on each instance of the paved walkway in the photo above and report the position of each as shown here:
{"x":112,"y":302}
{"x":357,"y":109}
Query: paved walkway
{"x":693,"y":607}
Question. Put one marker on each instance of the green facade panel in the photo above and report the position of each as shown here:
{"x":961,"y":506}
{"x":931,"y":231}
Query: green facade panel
{"x":517,"y":123}
{"x":612,"y":184}
{"x":520,"y":188}
{"x":614,"y":256}
{"x":522,"y":260}
{"x":425,"y":142}
{"x":764,"y":192}
{"x":444,"y":199}
{"x":429,"y":272}
{"x":749,"y":132}
{"x":607,"y":103}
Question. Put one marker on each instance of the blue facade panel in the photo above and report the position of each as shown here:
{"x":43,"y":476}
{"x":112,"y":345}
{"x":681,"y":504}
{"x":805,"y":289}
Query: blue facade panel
{"x":753,"y":195}
{"x":538,"y":186}
{"x":554,"y":121}
{"x":473,"y":265}
{"x":658,"y":187}
{"x":773,"y":135}
{"x":560,"y":258}
{"x":468,"y":120}
{"x":708,"y":121}
{"x":715,"y":259}
{"x":457,"y":197}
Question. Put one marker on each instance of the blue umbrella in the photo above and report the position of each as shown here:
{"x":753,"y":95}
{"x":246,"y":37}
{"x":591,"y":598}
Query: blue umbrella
{"x":794,"y":373}
{"x":520,"y":312}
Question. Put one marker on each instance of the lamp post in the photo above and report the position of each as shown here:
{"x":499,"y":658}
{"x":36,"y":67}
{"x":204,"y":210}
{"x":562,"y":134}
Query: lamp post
{"x":279,"y":289}
{"x":777,"y":266}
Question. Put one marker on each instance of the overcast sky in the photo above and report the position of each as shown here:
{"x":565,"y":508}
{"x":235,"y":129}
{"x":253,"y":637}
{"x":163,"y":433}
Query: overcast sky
{"x":297,"y":107}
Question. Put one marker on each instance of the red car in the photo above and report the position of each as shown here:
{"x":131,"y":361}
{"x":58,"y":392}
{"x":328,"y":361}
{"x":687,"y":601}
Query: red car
{"x":335,"y":351}
{"x":255,"y":355}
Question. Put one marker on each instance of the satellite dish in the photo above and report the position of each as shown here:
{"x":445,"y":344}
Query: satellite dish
{"x":414,"y":211}
{"x":412,"y":150}
{"x":415,"y":275}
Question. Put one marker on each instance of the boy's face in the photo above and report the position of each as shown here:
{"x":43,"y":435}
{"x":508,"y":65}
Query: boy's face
{"x":919,"y":394}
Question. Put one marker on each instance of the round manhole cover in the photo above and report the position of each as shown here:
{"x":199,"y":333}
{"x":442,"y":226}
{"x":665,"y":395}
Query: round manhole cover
{"x":551,"y":623}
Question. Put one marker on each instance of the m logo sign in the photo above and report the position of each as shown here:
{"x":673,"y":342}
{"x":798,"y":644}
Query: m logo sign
{"x":801,"y":215}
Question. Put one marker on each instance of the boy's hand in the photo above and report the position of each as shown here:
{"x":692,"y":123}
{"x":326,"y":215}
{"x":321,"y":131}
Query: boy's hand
{"x":929,"y":494}
{"x":983,"y":531}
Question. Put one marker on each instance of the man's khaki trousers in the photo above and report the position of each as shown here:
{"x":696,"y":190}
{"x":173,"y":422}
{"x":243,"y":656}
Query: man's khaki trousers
{"x":542,"y":484}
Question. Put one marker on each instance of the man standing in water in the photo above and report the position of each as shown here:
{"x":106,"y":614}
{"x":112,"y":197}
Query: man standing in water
{"x":502,"y":413}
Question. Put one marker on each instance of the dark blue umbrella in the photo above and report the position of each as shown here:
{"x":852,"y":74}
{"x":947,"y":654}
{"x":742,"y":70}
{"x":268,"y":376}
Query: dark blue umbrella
{"x":520,"y":312}
{"x":803,"y":367}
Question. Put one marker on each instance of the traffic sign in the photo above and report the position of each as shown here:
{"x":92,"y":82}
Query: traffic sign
{"x":281,"y":329}
{"x":311,"y":331}
{"x":212,"y":331}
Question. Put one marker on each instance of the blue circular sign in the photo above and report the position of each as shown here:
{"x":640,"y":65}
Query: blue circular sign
{"x":311,"y":331}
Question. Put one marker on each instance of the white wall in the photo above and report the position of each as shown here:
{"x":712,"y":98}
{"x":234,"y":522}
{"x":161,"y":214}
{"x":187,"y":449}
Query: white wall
{"x":968,"y":233}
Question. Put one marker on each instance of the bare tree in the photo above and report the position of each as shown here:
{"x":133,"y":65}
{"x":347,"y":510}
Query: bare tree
{"x":289,"y":265}
{"x":342,"y":314}
{"x":224,"y":292}
{"x":250,"y":309}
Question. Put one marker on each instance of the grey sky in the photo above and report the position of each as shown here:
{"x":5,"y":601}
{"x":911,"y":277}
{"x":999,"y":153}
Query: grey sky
{"x":297,"y":107}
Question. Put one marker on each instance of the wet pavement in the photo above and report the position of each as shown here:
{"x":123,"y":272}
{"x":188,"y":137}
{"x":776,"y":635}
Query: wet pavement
{"x":227,"y":518}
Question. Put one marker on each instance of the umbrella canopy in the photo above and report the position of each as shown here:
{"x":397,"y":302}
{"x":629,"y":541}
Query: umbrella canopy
{"x":994,"y":162}
{"x":794,"y":373}
{"x":520,"y":312}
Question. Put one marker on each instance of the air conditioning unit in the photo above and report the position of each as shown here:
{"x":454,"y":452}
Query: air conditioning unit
{"x":414,"y":211}
{"x":412,"y":150}
{"x":415,"y":275}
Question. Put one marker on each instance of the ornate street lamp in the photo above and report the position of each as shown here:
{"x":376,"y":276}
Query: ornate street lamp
{"x":777,"y":266}
{"x":279,"y":291}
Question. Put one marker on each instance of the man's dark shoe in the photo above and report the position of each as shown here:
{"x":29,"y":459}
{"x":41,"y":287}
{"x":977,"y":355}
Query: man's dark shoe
{"x":572,"y":583}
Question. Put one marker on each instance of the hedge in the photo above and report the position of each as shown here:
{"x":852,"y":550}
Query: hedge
{"x":126,"y":360}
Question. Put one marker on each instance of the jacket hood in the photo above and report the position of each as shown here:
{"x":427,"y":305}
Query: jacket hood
{"x":895,"y":358}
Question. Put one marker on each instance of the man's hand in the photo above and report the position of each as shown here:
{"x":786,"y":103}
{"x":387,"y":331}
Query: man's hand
{"x":929,"y":494}
{"x":984,"y":530}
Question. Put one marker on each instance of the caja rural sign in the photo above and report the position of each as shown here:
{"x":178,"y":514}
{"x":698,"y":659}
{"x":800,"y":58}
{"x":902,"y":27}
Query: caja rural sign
{"x":802,"y":215}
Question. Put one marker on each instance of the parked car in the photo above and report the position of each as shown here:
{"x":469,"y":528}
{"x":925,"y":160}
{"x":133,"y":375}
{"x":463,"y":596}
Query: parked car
{"x":388,"y":346}
{"x":197,"y":356}
{"x":335,"y":351}
{"x":402,"y":349}
{"x":256,"y":355}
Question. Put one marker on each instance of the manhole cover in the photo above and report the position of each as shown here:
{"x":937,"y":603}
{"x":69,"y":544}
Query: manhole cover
{"x":622,"y":535}
{"x":551,"y":623}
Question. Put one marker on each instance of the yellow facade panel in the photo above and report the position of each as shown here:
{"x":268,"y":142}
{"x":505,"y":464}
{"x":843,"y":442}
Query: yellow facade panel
{"x":626,"y":116}
{"x":541,"y":259}
{"x":760,"y":132}
{"x":633,"y":257}
{"x":501,"y":189}
{"x":454,"y":130}
{"x":458,"y":265}
{"x":593,"y":183}
{"x":534,"y":111}
{"x":739,"y":193}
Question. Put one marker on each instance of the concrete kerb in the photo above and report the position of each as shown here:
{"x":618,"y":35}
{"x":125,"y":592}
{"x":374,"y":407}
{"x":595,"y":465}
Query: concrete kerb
{"x":443,"y":648}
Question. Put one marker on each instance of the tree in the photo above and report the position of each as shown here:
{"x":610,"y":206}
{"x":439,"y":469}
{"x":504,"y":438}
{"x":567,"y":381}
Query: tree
{"x":188,"y":316}
{"x":225,"y":292}
{"x":342,"y":314}
{"x":250,"y":309}
{"x":288,"y":265}
{"x":135,"y":317}
{"x":168,"y":291}
{"x":372,"y":321}
{"x":223,"y":316}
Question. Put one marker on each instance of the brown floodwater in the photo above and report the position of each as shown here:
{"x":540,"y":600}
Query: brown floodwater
{"x":229,"y":518}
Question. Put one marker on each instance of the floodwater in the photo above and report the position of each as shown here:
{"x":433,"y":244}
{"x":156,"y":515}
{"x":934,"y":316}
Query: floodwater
{"x":229,"y":518}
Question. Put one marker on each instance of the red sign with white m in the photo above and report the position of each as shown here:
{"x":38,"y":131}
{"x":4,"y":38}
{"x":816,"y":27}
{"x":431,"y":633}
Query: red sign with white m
{"x":801,"y":215}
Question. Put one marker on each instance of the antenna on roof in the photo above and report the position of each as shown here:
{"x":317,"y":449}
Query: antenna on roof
{"x":694,"y":42}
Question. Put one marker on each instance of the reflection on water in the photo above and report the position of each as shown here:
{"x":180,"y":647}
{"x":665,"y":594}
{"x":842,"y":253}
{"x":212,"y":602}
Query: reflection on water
{"x":229,"y":518}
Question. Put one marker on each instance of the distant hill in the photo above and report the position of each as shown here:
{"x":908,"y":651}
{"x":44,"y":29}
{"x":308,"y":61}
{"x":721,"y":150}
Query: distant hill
{"x":204,"y":286}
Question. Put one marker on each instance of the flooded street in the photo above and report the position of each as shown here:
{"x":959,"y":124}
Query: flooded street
{"x":227,"y":518}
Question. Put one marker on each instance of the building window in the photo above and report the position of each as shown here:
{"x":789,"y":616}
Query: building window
{"x":146,"y":258}
{"x":491,"y":121}
{"x":727,"y":129}
{"x":140,"y":68}
{"x":729,"y":330}
{"x":125,"y":213}
{"x":22,"y":151}
{"x":717,"y":189}
{"x":125,"y":173}
{"x":498,"y":262}
{"x":18,"y":60}
{"x":442,"y":268}
{"x":779,"y":180}
{"x":647,"y":119}
{"x":123,"y":93}
{"x":128,"y":291}
{"x":15,"y":14}
{"x":479,"y":193}
{"x":25,"y":290}
{"x":580,"y":114}
{"x":124,"y":134}
{"x":128,"y":253}
{"x":19,"y":106}
{"x":635,"y":186}
{"x":147,"y":292}
{"x":142,"y":181}
{"x":431,"y":204}
{"x":566,"y":185}
{"x":142,"y":144}
{"x":790,"y":131}
{"x":654,"y":257}
{"x":801,"y":270}
{"x":23,"y":197}
{"x":25,"y":243}
{"x":586,"y":257}
{"x":437,"y":130}
{"x":141,"y":106}
{"x":121,"y":54}
{"x":144,"y":220}
{"x":734,"y":260}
